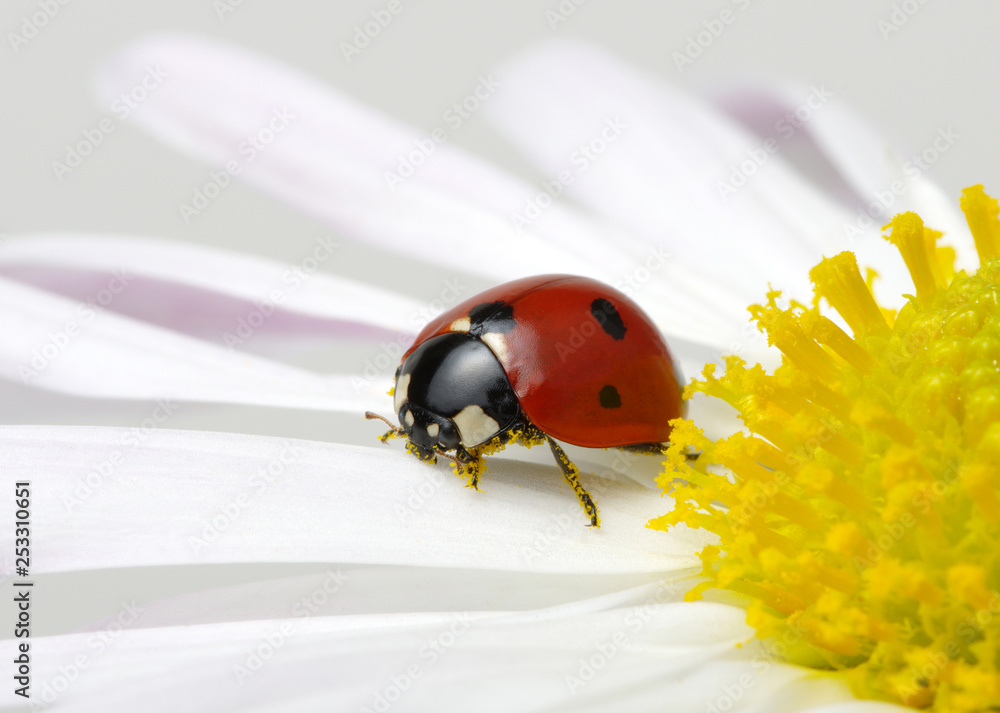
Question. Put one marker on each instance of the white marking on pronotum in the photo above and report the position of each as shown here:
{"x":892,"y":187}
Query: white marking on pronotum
{"x":433,"y":429}
{"x":462,"y":324}
{"x":408,"y":418}
{"x":399,"y":395}
{"x":475,"y":426}
{"x":498,"y":343}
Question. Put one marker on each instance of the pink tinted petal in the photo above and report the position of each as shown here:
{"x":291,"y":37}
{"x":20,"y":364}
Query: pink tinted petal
{"x":213,"y":316}
{"x":661,"y":152}
{"x":867,"y":162}
{"x":335,"y":159}
{"x":60,"y":345}
{"x":180,"y":276}
{"x":876,"y":180}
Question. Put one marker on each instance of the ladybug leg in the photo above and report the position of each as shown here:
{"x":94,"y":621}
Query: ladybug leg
{"x":470,"y":466}
{"x":570,"y":473}
{"x":659,"y":449}
{"x":646,"y":448}
{"x":424,"y":454}
{"x":467,"y":465}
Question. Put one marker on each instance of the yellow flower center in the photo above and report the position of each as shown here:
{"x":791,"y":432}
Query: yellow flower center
{"x":858,"y":511}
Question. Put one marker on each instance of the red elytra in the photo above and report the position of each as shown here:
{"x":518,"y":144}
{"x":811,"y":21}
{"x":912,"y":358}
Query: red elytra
{"x":587,"y":365}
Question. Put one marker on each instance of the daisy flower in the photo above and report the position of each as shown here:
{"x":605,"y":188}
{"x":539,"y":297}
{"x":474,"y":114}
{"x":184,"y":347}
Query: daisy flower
{"x":423,"y":595}
{"x":860,"y":515}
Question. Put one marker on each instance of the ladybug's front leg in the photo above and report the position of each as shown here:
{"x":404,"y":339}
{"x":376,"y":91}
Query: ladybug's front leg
{"x":470,"y":466}
{"x":570,"y":473}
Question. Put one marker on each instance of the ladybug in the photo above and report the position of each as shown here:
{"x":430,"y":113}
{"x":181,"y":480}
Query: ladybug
{"x":531,"y":361}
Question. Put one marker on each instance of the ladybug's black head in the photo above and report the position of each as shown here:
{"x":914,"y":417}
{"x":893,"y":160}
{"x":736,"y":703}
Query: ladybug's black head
{"x":427,"y":431}
{"x":451,"y":391}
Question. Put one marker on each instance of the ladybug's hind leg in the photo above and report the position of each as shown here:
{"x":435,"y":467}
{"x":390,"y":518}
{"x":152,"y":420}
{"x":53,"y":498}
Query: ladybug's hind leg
{"x":647,"y":449}
{"x":571,"y":473}
{"x":654,"y":449}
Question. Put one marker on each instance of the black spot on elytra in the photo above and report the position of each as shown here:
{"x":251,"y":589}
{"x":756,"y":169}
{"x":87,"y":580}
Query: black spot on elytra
{"x":607,"y":316}
{"x":609,"y":397}
{"x":491,"y":317}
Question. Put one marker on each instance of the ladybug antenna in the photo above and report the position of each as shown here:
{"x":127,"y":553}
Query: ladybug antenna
{"x":393,"y":430}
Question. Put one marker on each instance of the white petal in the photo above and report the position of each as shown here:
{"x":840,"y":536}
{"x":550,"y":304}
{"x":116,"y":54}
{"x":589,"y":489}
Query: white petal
{"x":108,"y":497}
{"x":883,"y":181}
{"x":333,"y":157}
{"x":294,"y":288}
{"x":366,"y":589}
{"x":60,"y":345}
{"x":680,"y":655}
{"x":661,"y":176}
{"x":665,"y":150}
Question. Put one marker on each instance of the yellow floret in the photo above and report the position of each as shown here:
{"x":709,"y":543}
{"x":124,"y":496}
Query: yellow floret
{"x":860,"y":513}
